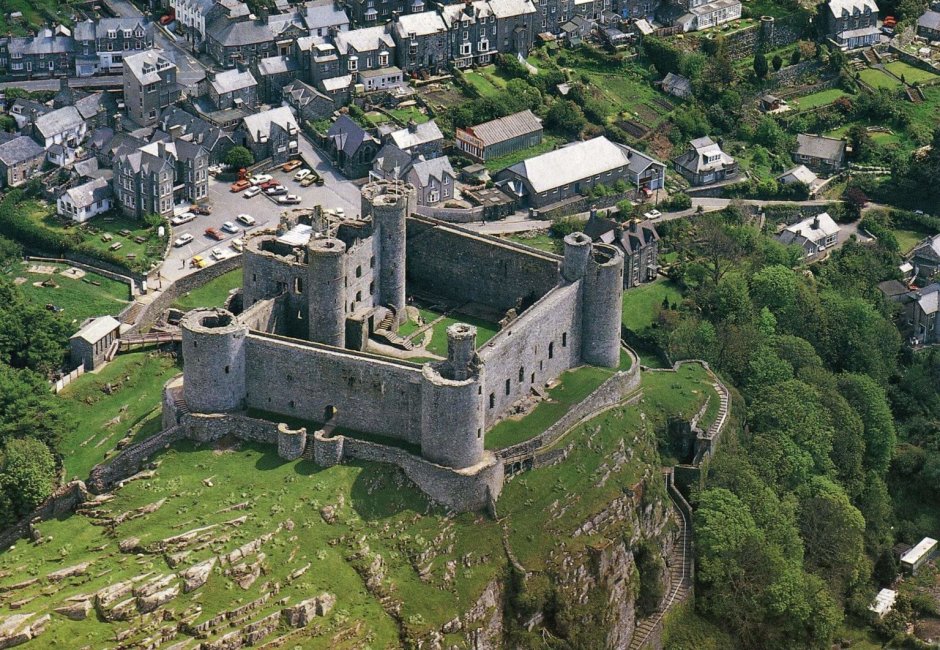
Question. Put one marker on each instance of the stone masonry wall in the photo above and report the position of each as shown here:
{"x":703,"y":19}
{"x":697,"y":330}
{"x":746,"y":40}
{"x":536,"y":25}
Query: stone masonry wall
{"x":63,"y":500}
{"x":130,"y":460}
{"x":298,"y":379}
{"x":459,"y":265}
{"x":552,"y":325}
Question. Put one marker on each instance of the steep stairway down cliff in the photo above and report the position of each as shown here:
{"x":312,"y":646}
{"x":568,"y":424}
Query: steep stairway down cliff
{"x":681,"y":567}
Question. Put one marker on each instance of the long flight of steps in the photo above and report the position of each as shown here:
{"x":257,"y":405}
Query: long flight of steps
{"x":385,"y":331}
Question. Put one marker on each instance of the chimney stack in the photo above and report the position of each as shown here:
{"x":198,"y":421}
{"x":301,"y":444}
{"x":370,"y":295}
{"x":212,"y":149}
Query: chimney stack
{"x":816,"y":222}
{"x":412,"y":126}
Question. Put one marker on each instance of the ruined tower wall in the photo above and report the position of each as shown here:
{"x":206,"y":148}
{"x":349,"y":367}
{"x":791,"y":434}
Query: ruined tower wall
{"x":326,"y":291}
{"x":602,"y":307}
{"x":213,"y":344}
{"x":265,"y":276}
{"x":389,"y":204}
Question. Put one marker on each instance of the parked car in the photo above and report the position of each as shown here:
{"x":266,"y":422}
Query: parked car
{"x":239,"y":186}
{"x":252,"y":191}
{"x":237,"y":245}
{"x":182,"y":240}
{"x":200,"y":209}
{"x":212,"y":233}
{"x":302,"y":174}
{"x":653,"y":214}
{"x":217,"y":254}
{"x":277,"y":190}
{"x":198,"y":262}
{"x":186,"y":217}
{"x":288,"y":199}
{"x":291,"y":165}
{"x":258,"y":179}
{"x":309,"y":180}
{"x":228,"y":226}
{"x":246,"y":219}
{"x":270,"y":183}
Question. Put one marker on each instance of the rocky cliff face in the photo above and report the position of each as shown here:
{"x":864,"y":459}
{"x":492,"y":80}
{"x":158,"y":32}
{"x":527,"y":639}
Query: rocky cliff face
{"x":588,"y":595}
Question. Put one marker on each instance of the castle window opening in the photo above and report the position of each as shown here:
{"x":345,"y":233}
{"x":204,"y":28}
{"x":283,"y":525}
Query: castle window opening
{"x":564,"y":339}
{"x":521,"y":375}
{"x":479,"y":390}
{"x":352,"y":307}
{"x":372,"y":288}
{"x":551,"y":350}
{"x":226,"y":370}
{"x":298,"y":285}
{"x":532,"y":379}
{"x":540,"y":365}
{"x":291,"y":404}
{"x":290,"y":378}
{"x":254,"y":277}
{"x":359,"y":271}
{"x":492,"y":400}
{"x":195,"y":344}
{"x":372,"y":262}
{"x":479,"y":433}
{"x":358,"y":296}
{"x":507,"y":386}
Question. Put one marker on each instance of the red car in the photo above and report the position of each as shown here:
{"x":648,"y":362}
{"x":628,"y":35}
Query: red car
{"x":238,"y":186}
{"x":270,"y":183}
{"x":214,"y":234}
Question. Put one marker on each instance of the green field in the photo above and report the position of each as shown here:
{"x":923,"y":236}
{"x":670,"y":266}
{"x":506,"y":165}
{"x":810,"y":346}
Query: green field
{"x":537,"y":239}
{"x":879,"y":137}
{"x":78,"y":298}
{"x":547,"y":144}
{"x":131,"y":409}
{"x":911,"y":74}
{"x":642,"y":303}
{"x":95,"y":233}
{"x":908,"y":239}
{"x":485,"y":80}
{"x":878,"y":79}
{"x":410,"y":113}
{"x":814,"y":100}
{"x":211,"y":294}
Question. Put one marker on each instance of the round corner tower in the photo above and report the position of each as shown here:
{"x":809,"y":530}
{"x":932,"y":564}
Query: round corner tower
{"x":213,"y":344}
{"x":389,"y":203}
{"x":602,"y":306}
{"x":577,"y":253}
{"x":326,"y":295}
{"x":452,"y":418}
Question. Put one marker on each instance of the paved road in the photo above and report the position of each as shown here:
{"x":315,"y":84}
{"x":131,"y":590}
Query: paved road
{"x":189,"y":70}
{"x":336,"y":192}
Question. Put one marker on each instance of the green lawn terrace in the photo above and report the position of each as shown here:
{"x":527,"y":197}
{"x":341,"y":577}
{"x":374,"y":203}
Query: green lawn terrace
{"x":878,"y":78}
{"x":911,"y":74}
{"x":74,"y":293}
{"x":817,"y":99}
{"x":428,"y":320}
{"x":212,"y":294}
{"x":112,"y":407}
{"x":133,"y":240}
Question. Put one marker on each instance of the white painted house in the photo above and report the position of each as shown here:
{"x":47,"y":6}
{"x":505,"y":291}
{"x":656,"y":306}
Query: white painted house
{"x":85,"y":201}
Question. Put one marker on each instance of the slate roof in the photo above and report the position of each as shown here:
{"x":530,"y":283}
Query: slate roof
{"x":677,"y":85}
{"x":260,"y":123}
{"x":929,"y":20}
{"x":20,"y":149}
{"x":810,"y":229}
{"x":818,"y":146}
{"x":421,"y":24}
{"x":324,"y":14}
{"x":89,"y":193}
{"x":346,"y":135}
{"x":510,"y":8}
{"x":43,"y":43}
{"x":577,"y":161}
{"x":929,"y":249}
{"x":300,"y":94}
{"x":799,"y":174}
{"x":145,"y":66}
{"x":406,"y":139}
{"x":337,"y":83}
{"x":90,"y":105}
{"x":506,"y":128}
{"x":276,"y":65}
{"x":850,"y":7}
{"x":435,"y":168}
{"x":929,"y":298}
{"x":392,"y":161}
{"x":236,"y":34}
{"x":186,"y":126}
{"x":631,"y":236}
{"x":696,"y":158}
{"x":97,"y":328}
{"x":58,"y":121}
{"x":367,"y":39}
{"x":231,"y":81}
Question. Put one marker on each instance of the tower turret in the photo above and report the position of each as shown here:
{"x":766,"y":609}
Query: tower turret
{"x":389,"y":203}
{"x":213,"y":361}
{"x":326,"y":295}
{"x":602,"y":309}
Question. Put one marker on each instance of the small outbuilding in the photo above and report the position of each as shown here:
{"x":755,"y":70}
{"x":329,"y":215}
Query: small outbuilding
{"x":90,"y":344}
{"x":884,"y":602}
{"x":914,"y":559}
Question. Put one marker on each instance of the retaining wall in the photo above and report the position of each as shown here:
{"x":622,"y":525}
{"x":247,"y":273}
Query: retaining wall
{"x":62,"y":501}
{"x":452,"y":215}
{"x":131,"y":459}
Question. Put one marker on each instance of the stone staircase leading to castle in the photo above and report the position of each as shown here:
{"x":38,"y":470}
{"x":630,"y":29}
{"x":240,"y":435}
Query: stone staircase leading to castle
{"x":385,"y":331}
{"x":681,"y":567}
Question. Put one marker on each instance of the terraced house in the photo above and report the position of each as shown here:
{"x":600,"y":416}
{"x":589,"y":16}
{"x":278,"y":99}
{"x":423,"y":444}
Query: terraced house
{"x":852,"y":23}
{"x":368,"y":55}
{"x":149,"y":86}
{"x":153,"y":178}
{"x":479,"y":30}
{"x":51,"y":53}
{"x":100,"y":47}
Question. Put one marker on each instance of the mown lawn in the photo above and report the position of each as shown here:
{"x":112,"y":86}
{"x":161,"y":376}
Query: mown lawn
{"x":135,"y":381}
{"x":211,"y":294}
{"x":92,"y":295}
{"x":822,"y":98}
{"x":878,"y":79}
{"x":907,"y":239}
{"x":540,"y":240}
{"x":911,"y":74}
{"x":641,"y":304}
{"x":547,"y":144}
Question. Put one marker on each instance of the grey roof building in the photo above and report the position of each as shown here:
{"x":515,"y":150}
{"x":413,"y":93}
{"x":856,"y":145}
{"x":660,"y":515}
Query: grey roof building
{"x":272,"y":74}
{"x":63,"y":126}
{"x":102,"y":46}
{"x":156,"y":176}
{"x":89,"y":345}
{"x":47,"y":54}
{"x":926,"y":258}
{"x":20,"y":158}
{"x":928,"y":25}
{"x":149,"y":86}
{"x":814,"y":234}
{"x":575,"y":169}
{"x":85,"y":201}
{"x":353,"y":149}
{"x":819,"y":153}
{"x":501,"y":136}
{"x":234,"y":88}
{"x":270,"y":134}
{"x":181,"y":125}
{"x":421,"y":41}
{"x":704,"y":163}
{"x":638,"y":240}
{"x":309,"y":102}
{"x":677,"y":85}
{"x":434,"y":179}
{"x":419,"y":139}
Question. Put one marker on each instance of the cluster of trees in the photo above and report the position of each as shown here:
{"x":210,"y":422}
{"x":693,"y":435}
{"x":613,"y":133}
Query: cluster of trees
{"x":32,"y":343}
{"x":796,"y":516}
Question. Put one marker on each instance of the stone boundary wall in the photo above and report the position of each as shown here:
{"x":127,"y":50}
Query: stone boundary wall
{"x":576,"y":205}
{"x":460,"y":490}
{"x":171,"y":292}
{"x":130,"y":460}
{"x":915,"y":61}
{"x":608,"y":394}
{"x":743,"y":43}
{"x":63,"y":501}
{"x":452,"y":215}
{"x":790,"y":74}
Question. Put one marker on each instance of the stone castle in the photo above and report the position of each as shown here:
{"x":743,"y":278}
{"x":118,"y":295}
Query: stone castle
{"x":313,"y":295}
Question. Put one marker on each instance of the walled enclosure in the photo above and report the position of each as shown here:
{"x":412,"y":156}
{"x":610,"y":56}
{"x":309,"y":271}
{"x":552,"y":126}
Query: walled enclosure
{"x":288,"y":353}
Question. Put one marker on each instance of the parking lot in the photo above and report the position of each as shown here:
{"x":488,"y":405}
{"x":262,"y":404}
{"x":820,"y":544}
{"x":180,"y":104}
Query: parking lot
{"x":336,"y":192}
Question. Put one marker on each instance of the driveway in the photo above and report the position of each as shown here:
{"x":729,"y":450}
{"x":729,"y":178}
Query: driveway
{"x":336,"y":192}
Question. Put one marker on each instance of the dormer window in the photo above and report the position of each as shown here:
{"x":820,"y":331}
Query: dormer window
{"x":127,"y":33}
{"x":383,"y":59}
{"x":112,"y":33}
{"x":353,"y":63}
